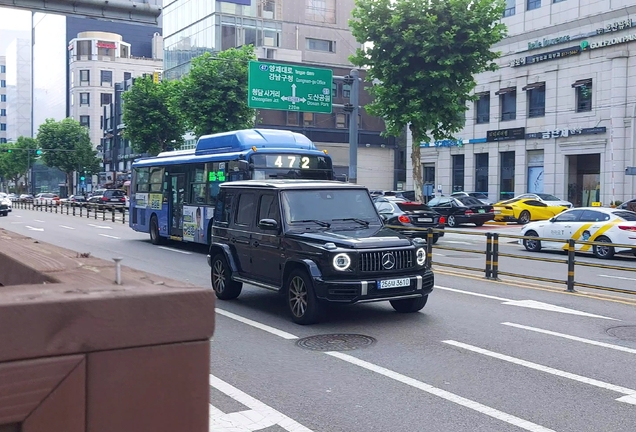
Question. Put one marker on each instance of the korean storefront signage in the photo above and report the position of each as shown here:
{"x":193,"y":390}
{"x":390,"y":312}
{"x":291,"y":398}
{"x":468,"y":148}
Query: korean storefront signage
{"x":617,"y":26}
{"x":585,"y":45}
{"x":564,"y":133}
{"x":552,"y":55}
{"x":547,"y":42}
{"x":505,"y":134}
{"x":108,"y":45}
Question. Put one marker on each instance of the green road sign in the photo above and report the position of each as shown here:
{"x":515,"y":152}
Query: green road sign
{"x":286,"y":87}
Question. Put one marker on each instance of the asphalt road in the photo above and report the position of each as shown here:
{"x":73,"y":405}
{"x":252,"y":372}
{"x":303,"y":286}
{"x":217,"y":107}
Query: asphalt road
{"x":482,"y":356}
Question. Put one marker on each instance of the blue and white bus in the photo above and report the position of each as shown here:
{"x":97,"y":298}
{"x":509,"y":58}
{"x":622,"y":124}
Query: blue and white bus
{"x":172,"y":195}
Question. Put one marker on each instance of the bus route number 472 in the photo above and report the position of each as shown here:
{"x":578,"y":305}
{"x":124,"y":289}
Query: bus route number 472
{"x":304,"y":162}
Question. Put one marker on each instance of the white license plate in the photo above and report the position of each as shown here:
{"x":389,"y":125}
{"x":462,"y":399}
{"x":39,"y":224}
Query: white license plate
{"x":482,"y":211}
{"x":114,"y":199}
{"x":497,"y":211}
{"x":424,"y":219}
{"x":394,"y":283}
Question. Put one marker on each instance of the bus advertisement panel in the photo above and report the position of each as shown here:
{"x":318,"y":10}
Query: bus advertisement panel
{"x":173,"y":195}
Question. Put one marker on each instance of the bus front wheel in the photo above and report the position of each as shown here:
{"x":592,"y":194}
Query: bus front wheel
{"x":155,"y":238}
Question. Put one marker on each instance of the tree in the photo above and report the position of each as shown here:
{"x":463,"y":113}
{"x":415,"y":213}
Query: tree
{"x":214,"y":93}
{"x":425,"y":55}
{"x":15,"y":159}
{"x":66,"y":145}
{"x":153,"y":122}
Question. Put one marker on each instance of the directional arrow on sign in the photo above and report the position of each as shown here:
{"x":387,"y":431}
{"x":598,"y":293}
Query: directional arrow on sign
{"x":293,"y":99}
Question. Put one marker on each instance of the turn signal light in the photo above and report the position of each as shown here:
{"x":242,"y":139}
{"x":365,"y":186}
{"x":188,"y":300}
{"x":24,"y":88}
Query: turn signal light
{"x":404,"y":219}
{"x":627,"y":228}
{"x":442,"y":220}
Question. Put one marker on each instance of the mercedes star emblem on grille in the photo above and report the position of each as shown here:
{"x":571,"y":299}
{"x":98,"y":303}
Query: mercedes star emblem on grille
{"x":388,"y":261}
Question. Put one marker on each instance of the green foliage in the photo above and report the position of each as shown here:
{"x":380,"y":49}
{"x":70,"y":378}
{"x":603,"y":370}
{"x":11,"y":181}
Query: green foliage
{"x":152,"y":119}
{"x":425,"y":55}
{"x":14,"y":158}
{"x":214,"y":93}
{"x":67,"y":146}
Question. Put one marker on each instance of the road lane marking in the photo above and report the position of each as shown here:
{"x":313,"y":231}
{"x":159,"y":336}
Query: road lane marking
{"x":438,"y":254}
{"x":37,"y":220}
{"x":618,"y":277}
{"x":66,"y":227}
{"x":459,"y":242}
{"x":530,"y":304}
{"x":174,"y":250}
{"x":18,"y":216}
{"x":259,"y":416}
{"x":100,"y":226}
{"x":256,"y":324}
{"x":590,"y":381}
{"x":17,"y":222}
{"x":574,"y":338}
{"x":109,"y":236}
{"x":446,"y":395}
{"x":34,"y":229}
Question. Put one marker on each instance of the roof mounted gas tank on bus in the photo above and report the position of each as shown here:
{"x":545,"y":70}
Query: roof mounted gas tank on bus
{"x":248,"y":138}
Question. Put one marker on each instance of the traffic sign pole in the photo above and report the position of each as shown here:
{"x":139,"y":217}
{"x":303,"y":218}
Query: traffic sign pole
{"x":353,"y":127}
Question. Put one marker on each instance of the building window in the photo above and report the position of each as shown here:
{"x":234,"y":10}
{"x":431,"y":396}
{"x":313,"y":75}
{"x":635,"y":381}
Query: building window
{"x":106,"y":99}
{"x":85,"y":77}
{"x":458,"y":173}
{"x":3,"y":126}
{"x":3,"y":140}
{"x":508,"y":103}
{"x":507,"y":175}
{"x":267,"y":9}
{"x":482,"y":108}
{"x":85,"y":99}
{"x":536,"y":100}
{"x":127,"y":76}
{"x":85,"y":121}
{"x":293,"y":118}
{"x":533,"y":4}
{"x":308,"y":119}
{"x":341,"y":121}
{"x":510,"y":8}
{"x":3,"y":112}
{"x":583,"y":95}
{"x":323,"y":11}
{"x":346,"y":90}
{"x":3,"y":98}
{"x":3,"y":83}
{"x":320,"y":45}
{"x":3,"y":69}
{"x":481,"y":172}
{"x":334,"y":90}
{"x":106,"y":77}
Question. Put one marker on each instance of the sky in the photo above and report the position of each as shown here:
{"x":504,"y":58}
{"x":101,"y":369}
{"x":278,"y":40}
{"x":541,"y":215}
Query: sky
{"x":13,"y":22}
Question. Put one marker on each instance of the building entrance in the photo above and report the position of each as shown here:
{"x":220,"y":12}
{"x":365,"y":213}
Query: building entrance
{"x":584,"y":179}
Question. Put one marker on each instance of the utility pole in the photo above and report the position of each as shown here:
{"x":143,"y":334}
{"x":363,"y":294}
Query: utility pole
{"x":353,"y":108}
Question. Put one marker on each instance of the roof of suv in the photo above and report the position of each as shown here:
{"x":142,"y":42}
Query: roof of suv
{"x":291,"y":184}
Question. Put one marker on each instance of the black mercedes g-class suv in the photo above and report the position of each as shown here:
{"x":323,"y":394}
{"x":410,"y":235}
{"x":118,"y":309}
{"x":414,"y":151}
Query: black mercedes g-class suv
{"x":315,"y":242}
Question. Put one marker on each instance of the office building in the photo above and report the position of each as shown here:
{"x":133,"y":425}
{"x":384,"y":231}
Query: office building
{"x":97,"y":60}
{"x":18,"y":89}
{"x":3,"y":100}
{"x":558,"y":116}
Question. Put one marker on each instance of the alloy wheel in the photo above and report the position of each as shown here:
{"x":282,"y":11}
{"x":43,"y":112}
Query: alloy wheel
{"x":298,"y":296}
{"x":218,"y":276}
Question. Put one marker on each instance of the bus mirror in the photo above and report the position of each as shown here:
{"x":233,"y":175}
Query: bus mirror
{"x":268,"y":224}
{"x":243,"y":165}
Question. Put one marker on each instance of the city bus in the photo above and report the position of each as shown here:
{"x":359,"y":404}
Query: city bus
{"x":173,"y":195}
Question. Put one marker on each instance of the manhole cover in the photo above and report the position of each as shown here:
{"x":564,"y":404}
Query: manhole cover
{"x":627,"y":333}
{"x":336,"y":342}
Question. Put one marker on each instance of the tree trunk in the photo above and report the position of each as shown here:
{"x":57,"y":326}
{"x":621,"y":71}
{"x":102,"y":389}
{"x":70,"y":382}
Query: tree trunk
{"x":416,"y":161}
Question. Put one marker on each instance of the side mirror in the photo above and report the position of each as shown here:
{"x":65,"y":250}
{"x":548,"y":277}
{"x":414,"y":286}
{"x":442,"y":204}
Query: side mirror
{"x":268,"y":224}
{"x":552,"y":219}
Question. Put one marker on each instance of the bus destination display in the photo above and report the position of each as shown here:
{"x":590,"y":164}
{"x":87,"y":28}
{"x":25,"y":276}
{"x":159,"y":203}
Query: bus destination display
{"x":290,"y":161}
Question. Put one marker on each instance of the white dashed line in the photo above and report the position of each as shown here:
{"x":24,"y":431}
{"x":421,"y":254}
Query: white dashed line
{"x":109,"y":236}
{"x":67,"y":227}
{"x":100,"y":226}
{"x":175,"y":250}
{"x":37,"y":220}
{"x":257,"y":325}
{"x":618,"y":277}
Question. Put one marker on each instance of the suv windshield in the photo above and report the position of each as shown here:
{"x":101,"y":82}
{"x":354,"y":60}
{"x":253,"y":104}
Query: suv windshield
{"x":328,"y":205}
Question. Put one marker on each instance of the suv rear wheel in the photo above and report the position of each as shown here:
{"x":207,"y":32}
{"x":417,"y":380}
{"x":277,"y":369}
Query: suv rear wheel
{"x":409,"y":305}
{"x":301,"y":298}
{"x":221,"y":277}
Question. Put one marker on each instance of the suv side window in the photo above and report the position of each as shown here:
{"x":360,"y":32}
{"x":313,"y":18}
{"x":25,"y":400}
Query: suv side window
{"x":223,"y":209}
{"x":245,"y":209}
{"x":268,"y":208}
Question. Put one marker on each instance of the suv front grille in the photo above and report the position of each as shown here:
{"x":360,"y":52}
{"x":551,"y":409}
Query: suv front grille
{"x":381,"y":261}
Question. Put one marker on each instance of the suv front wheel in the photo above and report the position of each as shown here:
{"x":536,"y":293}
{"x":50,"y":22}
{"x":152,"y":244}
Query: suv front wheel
{"x":221,"y":277}
{"x":301,"y":299}
{"x":409,"y":305}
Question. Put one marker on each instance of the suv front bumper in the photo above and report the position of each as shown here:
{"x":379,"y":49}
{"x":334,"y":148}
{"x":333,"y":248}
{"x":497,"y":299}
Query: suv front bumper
{"x":366,"y":290}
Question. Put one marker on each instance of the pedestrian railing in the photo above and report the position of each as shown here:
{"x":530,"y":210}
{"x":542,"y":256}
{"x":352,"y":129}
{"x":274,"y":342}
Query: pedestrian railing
{"x":89,"y":210}
{"x":492,"y":254}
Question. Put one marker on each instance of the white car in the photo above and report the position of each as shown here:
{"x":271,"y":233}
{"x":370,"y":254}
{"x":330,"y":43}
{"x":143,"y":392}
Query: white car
{"x":46,"y":199}
{"x":4,"y":199}
{"x":597,"y":224}
{"x":546,"y":198}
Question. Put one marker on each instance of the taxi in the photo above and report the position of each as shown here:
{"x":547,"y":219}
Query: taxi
{"x":525,"y":210}
{"x":594,"y":224}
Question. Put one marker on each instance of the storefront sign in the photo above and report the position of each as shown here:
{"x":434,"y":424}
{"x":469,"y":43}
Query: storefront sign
{"x":547,"y":42}
{"x":564,"y":133}
{"x":585,"y":45}
{"x":505,"y":134}
{"x":617,"y":26}
{"x":552,"y":55}
{"x":108,"y":45}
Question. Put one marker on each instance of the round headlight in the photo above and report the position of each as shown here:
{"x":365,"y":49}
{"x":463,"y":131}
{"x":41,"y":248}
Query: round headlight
{"x":420,"y":256}
{"x":341,"y":262}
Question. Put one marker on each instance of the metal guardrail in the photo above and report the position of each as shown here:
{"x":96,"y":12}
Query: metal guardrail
{"x":77,"y":209}
{"x":492,"y":254}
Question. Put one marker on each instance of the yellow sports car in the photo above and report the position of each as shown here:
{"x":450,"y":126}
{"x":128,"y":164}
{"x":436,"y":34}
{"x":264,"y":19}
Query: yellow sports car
{"x":525,"y":210}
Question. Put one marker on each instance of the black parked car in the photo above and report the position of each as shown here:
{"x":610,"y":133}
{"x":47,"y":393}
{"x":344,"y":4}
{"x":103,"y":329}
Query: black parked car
{"x":407,"y":215}
{"x":315,"y":242}
{"x":110,"y":197}
{"x":461,"y":210}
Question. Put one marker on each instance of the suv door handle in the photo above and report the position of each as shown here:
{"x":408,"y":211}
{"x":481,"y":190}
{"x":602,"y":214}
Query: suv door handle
{"x":255,"y":244}
{"x":233,"y":240}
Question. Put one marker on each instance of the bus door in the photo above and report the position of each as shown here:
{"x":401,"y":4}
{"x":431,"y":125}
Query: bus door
{"x":176,"y":199}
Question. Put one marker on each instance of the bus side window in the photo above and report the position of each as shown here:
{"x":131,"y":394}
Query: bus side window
{"x":142,"y":179}
{"x":197,"y":194}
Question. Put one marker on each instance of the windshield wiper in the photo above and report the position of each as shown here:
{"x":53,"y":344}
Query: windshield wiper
{"x":360,"y":221}
{"x":316,"y":221}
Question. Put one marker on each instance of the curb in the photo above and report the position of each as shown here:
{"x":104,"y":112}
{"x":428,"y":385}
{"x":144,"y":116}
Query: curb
{"x":496,"y":223}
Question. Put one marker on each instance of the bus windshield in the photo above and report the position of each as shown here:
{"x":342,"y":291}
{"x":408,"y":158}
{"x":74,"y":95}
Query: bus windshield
{"x":290,"y":166}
